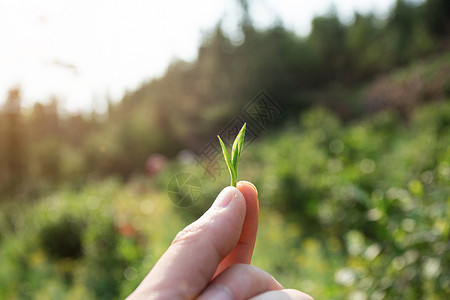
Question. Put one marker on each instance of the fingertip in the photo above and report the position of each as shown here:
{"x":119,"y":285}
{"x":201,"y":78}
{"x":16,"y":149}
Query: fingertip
{"x":247,"y":185}
{"x":286,"y":294}
{"x":239,"y":196}
{"x":250,"y":194}
{"x":296,"y":294}
{"x":227,"y":195}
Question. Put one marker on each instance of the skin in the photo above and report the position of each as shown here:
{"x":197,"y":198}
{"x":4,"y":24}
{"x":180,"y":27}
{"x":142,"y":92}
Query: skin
{"x":210,"y":258}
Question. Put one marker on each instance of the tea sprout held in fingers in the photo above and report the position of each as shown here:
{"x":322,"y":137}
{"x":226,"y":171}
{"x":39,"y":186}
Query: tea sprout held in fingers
{"x":233,"y":160}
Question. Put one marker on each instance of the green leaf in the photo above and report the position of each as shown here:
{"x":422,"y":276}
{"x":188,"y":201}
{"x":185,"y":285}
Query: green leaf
{"x":232,"y":162}
{"x":227,"y":160}
{"x":237,"y":148}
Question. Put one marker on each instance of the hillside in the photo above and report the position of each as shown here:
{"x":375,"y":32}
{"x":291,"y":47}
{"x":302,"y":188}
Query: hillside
{"x":347,"y":143}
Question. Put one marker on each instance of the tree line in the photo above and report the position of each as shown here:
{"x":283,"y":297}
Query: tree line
{"x":193,"y":100}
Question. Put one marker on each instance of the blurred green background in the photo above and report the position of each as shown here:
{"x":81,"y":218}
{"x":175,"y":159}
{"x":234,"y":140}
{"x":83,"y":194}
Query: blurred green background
{"x":354,"y":180}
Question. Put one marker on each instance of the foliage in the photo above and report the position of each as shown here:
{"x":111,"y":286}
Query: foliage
{"x":378,"y":189}
{"x":93,"y":243}
{"x":193,"y":101}
{"x":354,"y":194}
{"x":359,"y":210}
{"x":233,"y":160}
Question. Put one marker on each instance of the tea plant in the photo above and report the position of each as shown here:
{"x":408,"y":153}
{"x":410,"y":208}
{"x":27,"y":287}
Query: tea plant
{"x":232,"y":162}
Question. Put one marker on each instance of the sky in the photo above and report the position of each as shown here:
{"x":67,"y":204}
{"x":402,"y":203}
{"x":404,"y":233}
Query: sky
{"x":85,"y":51}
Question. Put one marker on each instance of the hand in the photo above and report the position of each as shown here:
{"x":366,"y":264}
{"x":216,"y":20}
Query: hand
{"x":210,"y":258}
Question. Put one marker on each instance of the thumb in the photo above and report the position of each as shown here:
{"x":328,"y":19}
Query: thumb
{"x":188,"y":265}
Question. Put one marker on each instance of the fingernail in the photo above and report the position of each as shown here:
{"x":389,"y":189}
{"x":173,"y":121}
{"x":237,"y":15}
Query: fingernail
{"x":217,"y":292}
{"x":251,"y":184}
{"x":225,"y":197}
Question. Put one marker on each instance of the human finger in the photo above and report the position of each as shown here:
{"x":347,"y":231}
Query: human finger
{"x":240,"y":281}
{"x":287,"y":294}
{"x":242,"y":253}
{"x":188,"y":265}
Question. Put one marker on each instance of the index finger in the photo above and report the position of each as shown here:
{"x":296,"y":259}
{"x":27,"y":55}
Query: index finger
{"x":242,"y":253}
